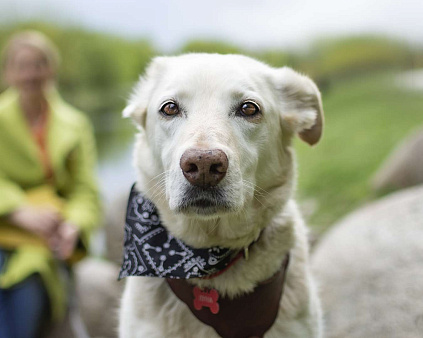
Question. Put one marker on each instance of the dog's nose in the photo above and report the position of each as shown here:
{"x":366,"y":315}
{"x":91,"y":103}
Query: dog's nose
{"x":204,"y":168}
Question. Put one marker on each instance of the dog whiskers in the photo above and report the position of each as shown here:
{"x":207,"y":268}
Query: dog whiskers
{"x":253,"y":188}
{"x":257,"y":188}
{"x":158,"y":177}
{"x":158,"y":188}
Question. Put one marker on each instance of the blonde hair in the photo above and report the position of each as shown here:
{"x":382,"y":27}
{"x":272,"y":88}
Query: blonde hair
{"x":32,"y":39}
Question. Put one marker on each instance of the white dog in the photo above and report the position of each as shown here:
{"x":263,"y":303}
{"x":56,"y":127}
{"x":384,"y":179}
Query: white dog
{"x":214,"y":154}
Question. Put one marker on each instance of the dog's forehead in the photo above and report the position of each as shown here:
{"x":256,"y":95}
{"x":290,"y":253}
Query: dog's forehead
{"x":210,"y":72}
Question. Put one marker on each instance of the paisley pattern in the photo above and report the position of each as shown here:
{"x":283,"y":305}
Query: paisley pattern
{"x":150,"y":250}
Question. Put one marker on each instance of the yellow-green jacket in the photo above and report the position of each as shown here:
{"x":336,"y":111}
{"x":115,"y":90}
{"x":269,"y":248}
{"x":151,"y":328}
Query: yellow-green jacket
{"x":73,"y":191}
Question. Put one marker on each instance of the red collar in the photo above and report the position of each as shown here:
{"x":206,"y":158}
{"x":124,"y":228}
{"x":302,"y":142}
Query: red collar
{"x":231,"y":263}
{"x":242,"y":253}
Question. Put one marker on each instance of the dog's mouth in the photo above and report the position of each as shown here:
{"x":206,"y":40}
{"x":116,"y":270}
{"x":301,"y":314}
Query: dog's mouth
{"x":205,"y":202}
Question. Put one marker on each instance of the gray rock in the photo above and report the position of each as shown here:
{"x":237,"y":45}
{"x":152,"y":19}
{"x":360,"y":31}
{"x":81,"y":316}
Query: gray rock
{"x":404,"y":167}
{"x":98,"y":293}
{"x":370,"y":270}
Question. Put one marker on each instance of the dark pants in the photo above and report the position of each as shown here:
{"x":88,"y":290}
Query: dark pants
{"x":24,"y":308}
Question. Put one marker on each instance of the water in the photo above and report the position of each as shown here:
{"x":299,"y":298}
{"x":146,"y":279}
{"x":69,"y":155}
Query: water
{"x":116,"y":175}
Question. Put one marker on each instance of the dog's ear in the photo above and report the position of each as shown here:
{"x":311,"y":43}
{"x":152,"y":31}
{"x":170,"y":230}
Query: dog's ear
{"x":140,"y":97}
{"x":136,"y":112}
{"x":302,"y":110}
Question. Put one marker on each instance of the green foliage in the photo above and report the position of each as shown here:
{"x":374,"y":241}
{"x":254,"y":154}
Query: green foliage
{"x":418,"y":59}
{"x":335,"y":59}
{"x":278,"y":58}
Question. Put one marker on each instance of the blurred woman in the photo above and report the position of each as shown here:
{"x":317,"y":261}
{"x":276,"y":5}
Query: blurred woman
{"x":48,"y":195}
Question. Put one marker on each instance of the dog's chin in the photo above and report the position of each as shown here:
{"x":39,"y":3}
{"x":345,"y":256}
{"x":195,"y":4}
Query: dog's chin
{"x":205,"y":209}
{"x":205,"y":203}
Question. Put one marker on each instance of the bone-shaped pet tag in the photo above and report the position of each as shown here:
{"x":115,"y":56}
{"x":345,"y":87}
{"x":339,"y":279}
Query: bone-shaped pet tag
{"x":206,"y":298}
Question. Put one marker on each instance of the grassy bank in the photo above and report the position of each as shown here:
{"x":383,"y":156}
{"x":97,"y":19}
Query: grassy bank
{"x":365,"y":119}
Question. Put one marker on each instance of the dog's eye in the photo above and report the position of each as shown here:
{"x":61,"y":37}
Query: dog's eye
{"x":249,"y":109}
{"x":170,"y":109}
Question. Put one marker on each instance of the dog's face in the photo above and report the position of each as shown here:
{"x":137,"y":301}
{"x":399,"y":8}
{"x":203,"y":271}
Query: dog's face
{"x":216,"y":130}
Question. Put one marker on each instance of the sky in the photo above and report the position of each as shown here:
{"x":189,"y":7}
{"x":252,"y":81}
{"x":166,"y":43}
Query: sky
{"x":249,"y":23}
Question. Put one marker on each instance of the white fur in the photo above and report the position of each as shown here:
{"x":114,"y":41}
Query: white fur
{"x":258,"y":185}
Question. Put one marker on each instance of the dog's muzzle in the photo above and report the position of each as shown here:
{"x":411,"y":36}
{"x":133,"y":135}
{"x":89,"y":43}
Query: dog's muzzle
{"x":204,"y":170}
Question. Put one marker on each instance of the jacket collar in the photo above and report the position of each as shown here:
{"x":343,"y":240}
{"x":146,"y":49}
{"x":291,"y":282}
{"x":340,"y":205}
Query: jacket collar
{"x":62,"y":129}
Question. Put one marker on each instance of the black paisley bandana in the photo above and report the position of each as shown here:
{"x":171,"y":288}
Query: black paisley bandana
{"x":150,"y":250}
